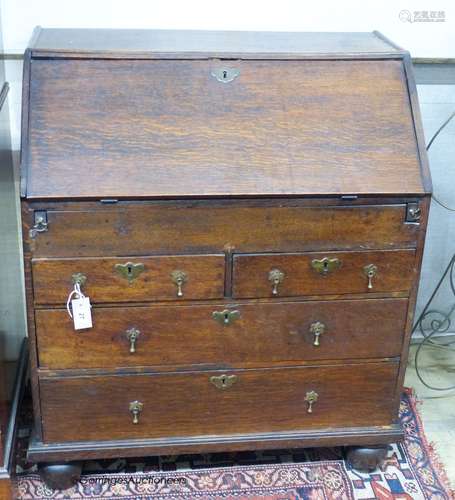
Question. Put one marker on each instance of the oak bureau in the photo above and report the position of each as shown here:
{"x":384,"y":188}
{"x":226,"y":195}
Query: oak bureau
{"x":246,"y":214}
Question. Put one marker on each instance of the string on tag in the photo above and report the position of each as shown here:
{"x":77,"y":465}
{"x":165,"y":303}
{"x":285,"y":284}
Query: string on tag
{"x":76,"y":291}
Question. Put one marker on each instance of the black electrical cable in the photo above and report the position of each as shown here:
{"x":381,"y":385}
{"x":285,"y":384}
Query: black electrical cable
{"x":440,"y":129}
{"x":437,"y":326}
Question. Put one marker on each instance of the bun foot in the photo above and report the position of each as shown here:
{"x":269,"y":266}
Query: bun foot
{"x":366,"y":459}
{"x":60,"y":476}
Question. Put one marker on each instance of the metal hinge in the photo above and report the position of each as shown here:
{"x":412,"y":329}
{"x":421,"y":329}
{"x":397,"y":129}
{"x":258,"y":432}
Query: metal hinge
{"x":40,"y":223}
{"x":413,"y":212}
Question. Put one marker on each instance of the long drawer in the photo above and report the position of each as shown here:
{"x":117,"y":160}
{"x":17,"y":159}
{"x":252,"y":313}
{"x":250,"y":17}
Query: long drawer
{"x":217,"y":402}
{"x":125,"y":279}
{"x":223,"y":333}
{"x":315,"y":273}
{"x":140,"y":228}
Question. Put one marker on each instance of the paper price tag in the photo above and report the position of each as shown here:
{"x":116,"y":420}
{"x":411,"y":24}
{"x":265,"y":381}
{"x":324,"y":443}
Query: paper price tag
{"x":82,"y":314}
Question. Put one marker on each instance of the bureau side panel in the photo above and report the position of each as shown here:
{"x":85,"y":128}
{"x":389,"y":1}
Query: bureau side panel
{"x":27,"y":224}
{"x":425,"y":208}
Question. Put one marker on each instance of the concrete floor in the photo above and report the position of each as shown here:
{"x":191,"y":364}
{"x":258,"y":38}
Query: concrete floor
{"x":437,"y":366}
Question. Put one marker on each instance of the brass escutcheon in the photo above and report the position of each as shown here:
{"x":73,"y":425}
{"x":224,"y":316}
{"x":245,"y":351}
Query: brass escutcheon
{"x":276,"y":277}
{"x":370,"y":272}
{"x":179,"y":278}
{"x":225,"y":75}
{"x":223,"y":381}
{"x":136,"y":408}
{"x":326,"y":265}
{"x":311,"y":398}
{"x":317,"y":329}
{"x":129,"y":270}
{"x":225,"y":317}
{"x":132,"y":334}
{"x":79,"y":279}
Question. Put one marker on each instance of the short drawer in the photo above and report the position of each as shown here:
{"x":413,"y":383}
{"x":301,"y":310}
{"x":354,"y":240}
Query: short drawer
{"x":217,"y":402}
{"x":315,"y":273}
{"x":125,"y":279}
{"x":223,"y":333}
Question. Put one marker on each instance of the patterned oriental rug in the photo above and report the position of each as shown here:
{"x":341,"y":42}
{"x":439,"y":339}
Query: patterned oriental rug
{"x":411,"y":472}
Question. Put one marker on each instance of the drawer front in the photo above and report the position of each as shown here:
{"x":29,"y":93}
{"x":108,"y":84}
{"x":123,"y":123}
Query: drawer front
{"x":210,"y":227}
{"x":195,"y":403}
{"x":287,"y":275}
{"x":238,"y":333}
{"x":125,"y":279}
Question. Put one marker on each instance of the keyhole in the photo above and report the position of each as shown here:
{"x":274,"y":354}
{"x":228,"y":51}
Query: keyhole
{"x":224,"y":74}
{"x":326,"y":265}
{"x":226,"y":317}
{"x":129,"y":269}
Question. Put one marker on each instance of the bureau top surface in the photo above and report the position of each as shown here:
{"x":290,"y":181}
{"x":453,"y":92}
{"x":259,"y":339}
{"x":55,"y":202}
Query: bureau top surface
{"x":108,"y":125}
{"x":270,"y":44}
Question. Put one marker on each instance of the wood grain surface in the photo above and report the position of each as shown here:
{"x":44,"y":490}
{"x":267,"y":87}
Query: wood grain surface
{"x":184,"y":43}
{"x":150,"y":228}
{"x":138,"y":153}
{"x":162,"y":128}
{"x":52,"y":278}
{"x":184,"y":404}
{"x":395,"y":273}
{"x":189,"y":335}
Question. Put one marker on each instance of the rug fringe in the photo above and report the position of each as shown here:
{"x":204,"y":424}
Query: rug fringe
{"x":430,"y":446}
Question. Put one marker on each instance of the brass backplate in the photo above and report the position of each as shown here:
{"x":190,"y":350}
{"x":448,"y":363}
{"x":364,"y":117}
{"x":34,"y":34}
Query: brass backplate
{"x":135,"y":408}
{"x":225,"y":317}
{"x":325,"y":265}
{"x":129,"y":270}
{"x":311,"y":398}
{"x":223,"y":381}
{"x":79,"y":279}
{"x":317,"y":329}
{"x":225,"y":75}
{"x":179,"y":278}
{"x":132,"y":335}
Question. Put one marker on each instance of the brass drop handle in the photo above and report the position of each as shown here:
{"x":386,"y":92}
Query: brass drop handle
{"x":370,"y":272}
{"x":223,"y":381}
{"x":276,"y":277}
{"x":317,"y":329}
{"x":311,"y":398}
{"x":132,"y":334}
{"x":135,"y":409}
{"x":179,"y":278}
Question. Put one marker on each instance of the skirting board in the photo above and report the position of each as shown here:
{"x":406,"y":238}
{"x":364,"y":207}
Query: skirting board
{"x":7,"y":472}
